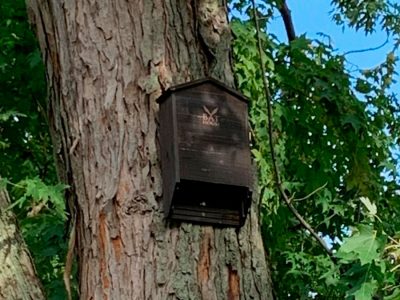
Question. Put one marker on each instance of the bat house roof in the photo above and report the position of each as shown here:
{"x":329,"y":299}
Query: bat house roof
{"x":198,"y":82}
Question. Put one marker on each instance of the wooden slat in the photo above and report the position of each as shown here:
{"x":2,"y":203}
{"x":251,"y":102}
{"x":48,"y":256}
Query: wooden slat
{"x":205,"y":154}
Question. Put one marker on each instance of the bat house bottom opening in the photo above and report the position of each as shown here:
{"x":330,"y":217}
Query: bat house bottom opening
{"x":211,"y":203}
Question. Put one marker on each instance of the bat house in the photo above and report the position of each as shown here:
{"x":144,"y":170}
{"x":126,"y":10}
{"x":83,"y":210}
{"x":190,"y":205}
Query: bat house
{"x":205,"y":154}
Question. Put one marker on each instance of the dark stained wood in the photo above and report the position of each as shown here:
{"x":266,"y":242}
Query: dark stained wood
{"x":205,"y":153}
{"x":192,"y":84}
{"x":169,"y":156}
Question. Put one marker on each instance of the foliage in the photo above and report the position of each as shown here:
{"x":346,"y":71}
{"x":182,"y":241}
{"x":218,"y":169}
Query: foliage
{"x":26,"y":160}
{"x":334,"y":133}
{"x":368,"y":15}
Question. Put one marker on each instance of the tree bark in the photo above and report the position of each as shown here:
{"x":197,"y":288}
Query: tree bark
{"x":107,"y":62}
{"x":287,"y":20}
{"x":18,"y":278}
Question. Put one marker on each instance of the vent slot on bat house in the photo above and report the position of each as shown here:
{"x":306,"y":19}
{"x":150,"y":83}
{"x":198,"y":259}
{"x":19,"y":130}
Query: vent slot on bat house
{"x":205,"y":154}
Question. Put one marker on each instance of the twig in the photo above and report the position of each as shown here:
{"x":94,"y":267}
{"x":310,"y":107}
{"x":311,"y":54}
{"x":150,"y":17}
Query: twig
{"x":260,"y":198}
{"x":367,"y":49}
{"x":390,"y":287}
{"x":395,"y":268}
{"x":327,"y":219}
{"x":271,"y":143}
{"x":69,"y":260}
{"x":312,"y":193}
{"x":393,"y":240}
{"x":292,"y":197}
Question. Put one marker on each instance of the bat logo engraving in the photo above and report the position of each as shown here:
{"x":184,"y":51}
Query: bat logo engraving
{"x":210,"y":117}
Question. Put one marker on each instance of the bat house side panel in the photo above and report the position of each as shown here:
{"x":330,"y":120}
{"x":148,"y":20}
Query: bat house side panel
{"x":168,"y":151}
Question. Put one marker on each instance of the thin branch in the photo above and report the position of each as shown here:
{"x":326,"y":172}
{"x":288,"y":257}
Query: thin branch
{"x":327,"y":219}
{"x":312,"y":193}
{"x":395,"y":268}
{"x":303,"y":222}
{"x":260,"y":198}
{"x":287,"y":20}
{"x":367,"y":49}
{"x":69,"y":260}
{"x":390,"y":287}
{"x":393,"y":240}
{"x":292,"y":197}
{"x":278,"y":182}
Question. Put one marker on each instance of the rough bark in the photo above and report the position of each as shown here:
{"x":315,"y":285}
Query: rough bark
{"x":107,"y":62}
{"x":17,"y":273}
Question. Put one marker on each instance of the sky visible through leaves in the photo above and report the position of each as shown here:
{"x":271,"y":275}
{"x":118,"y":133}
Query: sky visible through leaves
{"x":313,"y":18}
{"x":329,"y":145}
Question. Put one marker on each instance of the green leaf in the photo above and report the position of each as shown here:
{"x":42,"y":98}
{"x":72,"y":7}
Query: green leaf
{"x":366,"y":291}
{"x":353,"y":120}
{"x":5,"y":116}
{"x":394,"y":296}
{"x":362,"y":86}
{"x":257,"y":154}
{"x":363,"y":245}
{"x":300,"y":43}
{"x":3,"y":183}
{"x":371,"y":207}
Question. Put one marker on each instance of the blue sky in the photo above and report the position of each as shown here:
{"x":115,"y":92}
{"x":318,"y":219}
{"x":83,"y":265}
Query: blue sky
{"x":314,"y":16}
{"x":311,"y":17}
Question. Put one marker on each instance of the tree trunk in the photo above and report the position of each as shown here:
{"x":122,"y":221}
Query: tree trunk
{"x":18,"y":278}
{"x":107,"y":62}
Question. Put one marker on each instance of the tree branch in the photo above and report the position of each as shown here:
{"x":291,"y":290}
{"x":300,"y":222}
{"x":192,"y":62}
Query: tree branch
{"x":312,"y":193}
{"x":278,"y":181}
{"x":69,"y":260}
{"x":368,"y":49}
{"x":287,"y":20}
